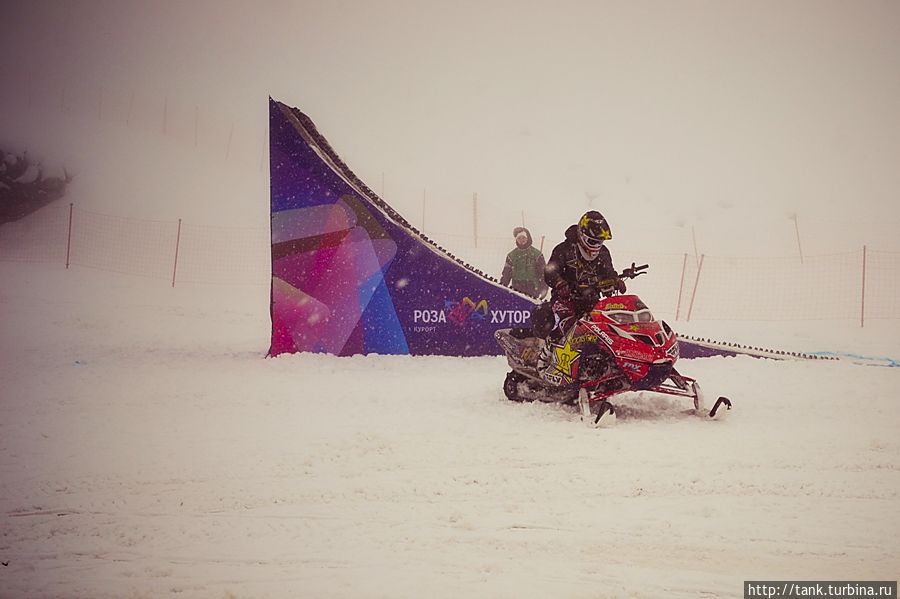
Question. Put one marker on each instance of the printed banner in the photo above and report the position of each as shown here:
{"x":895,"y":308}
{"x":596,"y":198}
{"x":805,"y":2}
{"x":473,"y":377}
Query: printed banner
{"x":351,"y":276}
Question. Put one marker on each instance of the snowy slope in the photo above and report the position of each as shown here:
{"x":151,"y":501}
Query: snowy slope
{"x":148,"y":449}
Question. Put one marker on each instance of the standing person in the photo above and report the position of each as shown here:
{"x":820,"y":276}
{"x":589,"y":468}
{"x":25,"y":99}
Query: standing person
{"x":578,"y":269}
{"x":524,"y":266}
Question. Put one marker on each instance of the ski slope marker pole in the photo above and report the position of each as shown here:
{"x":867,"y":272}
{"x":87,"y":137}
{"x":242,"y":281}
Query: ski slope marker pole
{"x":69,"y":240}
{"x":797,"y":229}
{"x":177,"y":245}
{"x":681,"y":287}
{"x":696,"y":282}
{"x":694,"y":238}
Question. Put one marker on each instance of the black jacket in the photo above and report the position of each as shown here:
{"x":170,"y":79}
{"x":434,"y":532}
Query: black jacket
{"x":567,"y":264}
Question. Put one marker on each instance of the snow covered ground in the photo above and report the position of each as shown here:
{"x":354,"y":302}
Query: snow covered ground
{"x":148,"y":449}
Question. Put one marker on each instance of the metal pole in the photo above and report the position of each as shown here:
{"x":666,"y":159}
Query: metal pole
{"x":165,"y":115}
{"x":681,"y":287}
{"x":196,"y":124}
{"x":797,"y":229}
{"x":694,"y":292}
{"x":694,"y":237}
{"x":177,"y":245}
{"x":69,"y":240}
{"x":862,"y":311}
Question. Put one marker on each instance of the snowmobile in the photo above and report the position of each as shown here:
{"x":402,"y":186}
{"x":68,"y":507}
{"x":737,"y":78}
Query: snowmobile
{"x":615,"y":347}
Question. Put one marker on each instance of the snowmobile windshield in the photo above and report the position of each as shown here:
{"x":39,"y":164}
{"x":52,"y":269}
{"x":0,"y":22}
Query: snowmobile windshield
{"x":625,"y":317}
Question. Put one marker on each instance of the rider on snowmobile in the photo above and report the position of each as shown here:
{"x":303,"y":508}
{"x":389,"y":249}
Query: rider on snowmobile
{"x":578,"y":269}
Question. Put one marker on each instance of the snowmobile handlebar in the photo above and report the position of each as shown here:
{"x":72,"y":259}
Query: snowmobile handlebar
{"x":616,"y":285}
{"x":587,"y":294}
{"x":606,"y":286}
{"x":634,"y":271}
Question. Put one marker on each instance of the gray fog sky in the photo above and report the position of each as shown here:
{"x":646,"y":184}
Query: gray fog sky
{"x":680,"y":112}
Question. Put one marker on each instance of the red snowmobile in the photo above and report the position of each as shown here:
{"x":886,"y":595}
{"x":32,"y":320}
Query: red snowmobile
{"x":616,"y":347}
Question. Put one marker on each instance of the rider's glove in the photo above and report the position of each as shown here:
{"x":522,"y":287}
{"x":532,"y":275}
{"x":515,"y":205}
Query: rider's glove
{"x":611,"y":285}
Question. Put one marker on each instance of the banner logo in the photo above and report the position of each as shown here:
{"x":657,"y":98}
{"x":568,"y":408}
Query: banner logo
{"x":465,"y":311}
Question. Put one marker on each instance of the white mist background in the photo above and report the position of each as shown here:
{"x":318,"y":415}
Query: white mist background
{"x":695,"y":121}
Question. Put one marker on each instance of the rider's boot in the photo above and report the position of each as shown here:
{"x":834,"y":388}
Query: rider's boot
{"x":545,"y":358}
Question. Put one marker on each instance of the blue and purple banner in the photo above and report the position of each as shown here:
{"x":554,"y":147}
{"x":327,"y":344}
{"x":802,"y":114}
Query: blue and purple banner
{"x":351,"y":276}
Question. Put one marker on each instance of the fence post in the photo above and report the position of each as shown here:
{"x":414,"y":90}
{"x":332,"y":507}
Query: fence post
{"x":69,"y":240}
{"x":797,"y":229}
{"x":862,"y":309}
{"x":694,"y":238}
{"x":681,"y":287}
{"x":177,"y":245}
{"x":696,"y":282}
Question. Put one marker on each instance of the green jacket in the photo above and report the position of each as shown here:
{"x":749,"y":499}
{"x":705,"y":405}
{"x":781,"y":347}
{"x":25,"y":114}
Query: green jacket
{"x":524,"y":268}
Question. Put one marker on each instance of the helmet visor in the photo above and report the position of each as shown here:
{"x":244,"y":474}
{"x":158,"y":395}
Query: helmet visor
{"x":589,"y":241}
